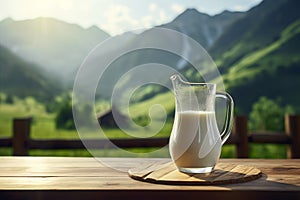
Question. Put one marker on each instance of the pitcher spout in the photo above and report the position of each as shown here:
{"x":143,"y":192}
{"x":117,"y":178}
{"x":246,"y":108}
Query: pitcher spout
{"x":176,"y":80}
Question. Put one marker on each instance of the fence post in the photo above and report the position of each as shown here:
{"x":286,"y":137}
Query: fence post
{"x":21,"y":131}
{"x":240,"y":131}
{"x":292,"y":129}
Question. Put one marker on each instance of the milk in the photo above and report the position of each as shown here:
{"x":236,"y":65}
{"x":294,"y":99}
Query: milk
{"x":195,"y":140}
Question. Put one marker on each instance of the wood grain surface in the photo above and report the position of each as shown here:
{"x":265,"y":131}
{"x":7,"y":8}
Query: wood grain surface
{"x":90,"y":178}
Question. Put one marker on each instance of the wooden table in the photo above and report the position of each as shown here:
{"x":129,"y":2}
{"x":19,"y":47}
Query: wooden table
{"x":87,"y":178}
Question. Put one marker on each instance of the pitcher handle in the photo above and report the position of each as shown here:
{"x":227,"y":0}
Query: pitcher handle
{"x":229,"y":115}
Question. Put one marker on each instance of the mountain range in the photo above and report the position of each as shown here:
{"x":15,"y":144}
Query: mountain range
{"x":257,"y":52}
{"x":202,"y":27}
{"x":56,"y":46}
{"x":22,"y":78}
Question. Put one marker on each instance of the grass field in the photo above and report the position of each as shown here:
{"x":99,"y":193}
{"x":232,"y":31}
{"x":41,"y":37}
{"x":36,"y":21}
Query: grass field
{"x":43,"y":127}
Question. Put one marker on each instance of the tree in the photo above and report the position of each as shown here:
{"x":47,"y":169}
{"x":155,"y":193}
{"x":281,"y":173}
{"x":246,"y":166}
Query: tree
{"x":64,"y":116}
{"x":267,"y":115}
{"x":9,"y":99}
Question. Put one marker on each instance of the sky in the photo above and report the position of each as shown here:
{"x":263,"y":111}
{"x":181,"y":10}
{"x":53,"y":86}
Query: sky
{"x":116,"y":16}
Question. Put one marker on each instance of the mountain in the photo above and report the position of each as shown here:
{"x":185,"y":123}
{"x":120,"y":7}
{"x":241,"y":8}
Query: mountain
{"x":202,"y":27}
{"x":57,"y":46}
{"x":21,"y":78}
{"x":258,"y":55}
{"x":261,"y":26}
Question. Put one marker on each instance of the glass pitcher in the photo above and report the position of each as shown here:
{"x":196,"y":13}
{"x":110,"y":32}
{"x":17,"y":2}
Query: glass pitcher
{"x":195,"y":142}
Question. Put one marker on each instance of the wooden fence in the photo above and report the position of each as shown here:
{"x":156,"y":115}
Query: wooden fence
{"x":240,"y":137}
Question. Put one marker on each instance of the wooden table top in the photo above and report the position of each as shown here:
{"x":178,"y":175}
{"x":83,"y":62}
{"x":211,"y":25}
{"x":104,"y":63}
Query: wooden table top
{"x":87,"y":178}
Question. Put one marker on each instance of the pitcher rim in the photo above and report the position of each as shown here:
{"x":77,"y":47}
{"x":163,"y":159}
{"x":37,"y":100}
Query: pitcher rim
{"x":174,"y":76}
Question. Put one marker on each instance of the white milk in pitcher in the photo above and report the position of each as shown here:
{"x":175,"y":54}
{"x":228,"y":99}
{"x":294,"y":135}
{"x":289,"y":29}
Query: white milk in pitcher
{"x":195,"y":140}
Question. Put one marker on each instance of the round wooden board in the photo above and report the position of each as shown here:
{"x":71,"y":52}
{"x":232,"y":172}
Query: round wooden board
{"x":167,"y":173}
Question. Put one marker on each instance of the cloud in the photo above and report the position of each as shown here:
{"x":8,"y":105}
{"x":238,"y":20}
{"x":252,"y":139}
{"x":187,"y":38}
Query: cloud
{"x":162,"y":16}
{"x":177,"y":8}
{"x":147,"y":21}
{"x":157,"y":15}
{"x":152,"y":7}
{"x":245,"y":7}
{"x":114,"y":16}
{"x":239,"y":8}
{"x":118,"y":18}
{"x":254,"y":2}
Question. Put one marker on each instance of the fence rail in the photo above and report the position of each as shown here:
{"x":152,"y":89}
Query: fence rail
{"x":240,"y":137}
